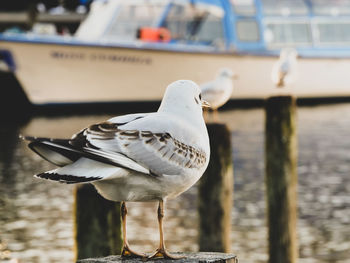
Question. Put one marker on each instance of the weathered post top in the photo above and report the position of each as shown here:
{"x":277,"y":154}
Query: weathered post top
{"x":202,"y":257}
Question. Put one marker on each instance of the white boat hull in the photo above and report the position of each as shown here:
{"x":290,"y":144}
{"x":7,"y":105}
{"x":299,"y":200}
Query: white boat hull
{"x":53,"y":73}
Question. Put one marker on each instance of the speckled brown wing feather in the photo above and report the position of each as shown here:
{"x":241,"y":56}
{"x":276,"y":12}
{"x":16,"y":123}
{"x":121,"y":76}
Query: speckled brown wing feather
{"x":142,"y":146}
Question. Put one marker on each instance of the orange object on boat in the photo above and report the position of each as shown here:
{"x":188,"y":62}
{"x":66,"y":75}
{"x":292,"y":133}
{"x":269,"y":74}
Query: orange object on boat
{"x":151,"y":34}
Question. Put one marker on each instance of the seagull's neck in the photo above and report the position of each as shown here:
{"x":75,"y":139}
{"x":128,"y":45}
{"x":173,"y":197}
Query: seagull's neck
{"x":193,"y":116}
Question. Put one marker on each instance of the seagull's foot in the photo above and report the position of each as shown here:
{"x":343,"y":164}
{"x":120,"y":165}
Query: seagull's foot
{"x":163,"y":253}
{"x":128,"y":253}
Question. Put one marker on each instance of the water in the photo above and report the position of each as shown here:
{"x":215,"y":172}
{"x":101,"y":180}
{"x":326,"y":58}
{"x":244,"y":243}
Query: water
{"x":36,"y":223}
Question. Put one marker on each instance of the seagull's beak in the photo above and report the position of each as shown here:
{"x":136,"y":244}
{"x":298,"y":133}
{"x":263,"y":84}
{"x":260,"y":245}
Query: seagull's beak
{"x":205,"y":104}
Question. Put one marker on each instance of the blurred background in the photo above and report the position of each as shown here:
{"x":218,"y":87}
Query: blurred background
{"x":22,"y":14}
{"x":67,"y":64}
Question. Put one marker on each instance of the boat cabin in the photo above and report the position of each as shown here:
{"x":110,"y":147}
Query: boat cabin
{"x":240,"y":25}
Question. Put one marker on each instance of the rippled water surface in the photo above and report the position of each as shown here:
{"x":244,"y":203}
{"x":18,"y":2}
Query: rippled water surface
{"x":36,"y":223}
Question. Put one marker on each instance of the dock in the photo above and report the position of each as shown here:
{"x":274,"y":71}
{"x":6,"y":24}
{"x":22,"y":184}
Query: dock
{"x":24,"y":19}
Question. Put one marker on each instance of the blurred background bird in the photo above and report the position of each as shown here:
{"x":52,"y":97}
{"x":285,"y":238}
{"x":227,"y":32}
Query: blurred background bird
{"x":218,"y":91}
{"x":284,"y":71}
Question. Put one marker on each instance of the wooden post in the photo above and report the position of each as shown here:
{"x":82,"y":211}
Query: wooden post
{"x":97,"y":224}
{"x":201,"y":257}
{"x":216,"y":193}
{"x":281,"y":178}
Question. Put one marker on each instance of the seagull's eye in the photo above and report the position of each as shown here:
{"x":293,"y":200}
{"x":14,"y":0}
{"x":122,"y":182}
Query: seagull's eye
{"x":200,"y":96}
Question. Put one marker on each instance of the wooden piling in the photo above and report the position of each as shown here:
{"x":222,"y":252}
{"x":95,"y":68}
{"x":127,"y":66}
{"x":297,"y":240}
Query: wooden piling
{"x":97,"y":224}
{"x":281,"y":178}
{"x":216,"y":193}
{"x":201,"y":257}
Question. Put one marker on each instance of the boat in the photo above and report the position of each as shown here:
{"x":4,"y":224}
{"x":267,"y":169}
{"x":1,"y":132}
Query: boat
{"x":109,"y":59}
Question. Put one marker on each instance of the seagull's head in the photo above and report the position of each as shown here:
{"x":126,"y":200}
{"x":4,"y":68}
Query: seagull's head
{"x":183,"y":97}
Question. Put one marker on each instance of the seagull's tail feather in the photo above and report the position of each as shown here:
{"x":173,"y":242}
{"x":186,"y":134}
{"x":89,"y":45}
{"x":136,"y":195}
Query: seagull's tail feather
{"x":83,"y":170}
{"x":56,"y":151}
{"x":61,"y":153}
{"x":66,"y":178}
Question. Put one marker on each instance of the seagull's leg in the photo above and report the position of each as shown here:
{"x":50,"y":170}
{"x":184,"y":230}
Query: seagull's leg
{"x":161,"y":250}
{"x":205,"y":114}
{"x":126,"y":251}
{"x":280,"y":83}
{"x":215,"y":115}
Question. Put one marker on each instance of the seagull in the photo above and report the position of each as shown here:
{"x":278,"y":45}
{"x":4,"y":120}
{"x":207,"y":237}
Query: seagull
{"x":218,"y":91}
{"x":137,"y":157}
{"x":284,"y":71}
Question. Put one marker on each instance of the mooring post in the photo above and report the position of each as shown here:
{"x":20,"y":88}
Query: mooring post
{"x":199,"y":257}
{"x":97,"y":224}
{"x":216,"y":193}
{"x":281,"y":178}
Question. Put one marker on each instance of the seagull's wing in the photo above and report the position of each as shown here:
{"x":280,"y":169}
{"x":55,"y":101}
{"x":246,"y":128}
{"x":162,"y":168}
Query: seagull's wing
{"x":277,"y":73}
{"x":208,"y":94}
{"x":128,"y":142}
{"x":62,"y":152}
{"x":148,"y":141}
{"x":213,"y":93}
{"x":208,"y":86}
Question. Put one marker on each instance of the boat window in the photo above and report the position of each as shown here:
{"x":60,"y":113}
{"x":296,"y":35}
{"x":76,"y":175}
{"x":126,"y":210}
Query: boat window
{"x":333,"y":32}
{"x":293,"y":33}
{"x":247,"y":31}
{"x":188,"y":24}
{"x":284,"y":7}
{"x":334,"y":8}
{"x":211,"y":30}
{"x":131,"y":17}
{"x":244,"y":7}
